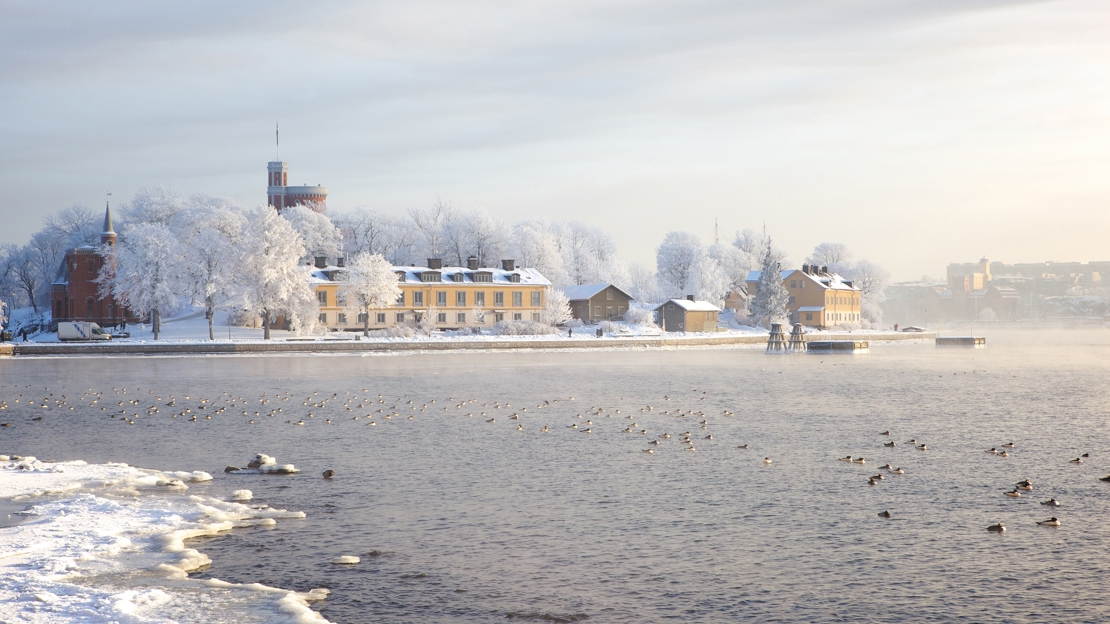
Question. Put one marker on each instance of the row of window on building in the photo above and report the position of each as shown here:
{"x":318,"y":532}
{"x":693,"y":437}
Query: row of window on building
{"x":460,"y":298}
{"x":441,"y":317}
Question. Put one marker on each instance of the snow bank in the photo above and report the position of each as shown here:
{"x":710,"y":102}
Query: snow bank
{"x":109,"y":543}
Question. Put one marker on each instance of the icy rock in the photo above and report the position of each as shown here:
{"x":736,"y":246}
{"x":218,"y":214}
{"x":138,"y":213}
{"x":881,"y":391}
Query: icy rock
{"x":242,"y":495}
{"x":346,"y":560}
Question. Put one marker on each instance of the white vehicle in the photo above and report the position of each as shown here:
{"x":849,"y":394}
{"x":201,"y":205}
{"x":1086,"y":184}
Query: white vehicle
{"x":81,"y":330}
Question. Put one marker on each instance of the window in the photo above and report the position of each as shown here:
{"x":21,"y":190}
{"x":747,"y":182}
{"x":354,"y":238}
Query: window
{"x":430,"y":276}
{"x":621,"y":310}
{"x":441,"y":317}
{"x":460,"y":298}
{"x":92,"y":266}
{"x":362,"y":317}
{"x":791,"y":301}
{"x":480,"y":298}
{"x":341,"y":318}
{"x":518,"y":299}
{"x":670,"y":306}
{"x":809,"y":316}
{"x":597,"y":311}
{"x":381,"y":317}
{"x":515,"y":278}
{"x":400,"y":317}
{"x":793,"y":283}
{"x":324,"y":318}
{"x":536,"y":299}
{"x":482,"y":277}
{"x":90,"y":307}
{"x":401,"y":298}
{"x":400,"y":276}
{"x":608,"y":312}
{"x":609,"y":295}
{"x":499,"y":298}
{"x":460,"y":317}
{"x":498,"y":317}
{"x":322,"y":297}
{"x":517,"y":316}
{"x":458,"y":277}
{"x":418,"y":299}
{"x":441,"y":297}
{"x":111,"y":311}
{"x":536,"y":317}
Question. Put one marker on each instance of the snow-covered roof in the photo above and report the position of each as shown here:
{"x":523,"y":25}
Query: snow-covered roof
{"x":530,"y":277}
{"x":585,"y":291}
{"x":693,"y":306}
{"x":830,"y":281}
{"x":811,"y":308}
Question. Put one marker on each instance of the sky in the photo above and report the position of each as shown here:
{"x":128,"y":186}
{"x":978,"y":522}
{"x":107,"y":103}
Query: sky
{"x":917,"y":133}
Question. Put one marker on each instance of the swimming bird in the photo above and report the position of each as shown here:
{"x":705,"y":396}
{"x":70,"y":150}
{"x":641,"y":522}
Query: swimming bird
{"x":886,"y":467}
{"x":992,"y":451}
{"x":886,"y":433}
{"x":649,"y":450}
{"x":1003,"y":454}
{"x":898,"y":471}
{"x":689,"y":448}
{"x":329,"y":474}
{"x":1025,"y":484}
{"x":997,"y":528}
{"x":1085,"y":455}
{"x":878,"y":477}
{"x":911,"y":441}
{"x":1050,"y":522}
{"x":574,"y":426}
{"x":891,"y":443}
{"x":884,"y":514}
{"x":1008,"y":445}
{"x":846,"y":458}
{"x":543,"y":429}
{"x":709,"y":437}
{"x":1106,"y":478}
{"x":743,"y":446}
{"x":922,"y":447}
{"x":1077,"y":460}
{"x":766,"y":460}
{"x":655,"y":442}
{"x":872,"y":481}
{"x":1014,"y":493}
{"x":519,"y":428}
{"x":859,"y":460}
{"x":1052,"y":502}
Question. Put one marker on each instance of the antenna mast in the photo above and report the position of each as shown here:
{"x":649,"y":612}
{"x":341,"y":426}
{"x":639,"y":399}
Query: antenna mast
{"x":277,"y":142}
{"x":716,"y":232}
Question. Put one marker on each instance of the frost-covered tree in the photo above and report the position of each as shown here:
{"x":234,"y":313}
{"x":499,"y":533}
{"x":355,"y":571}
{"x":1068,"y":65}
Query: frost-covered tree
{"x":147,"y":275}
{"x":734,"y":263}
{"x":753,"y":244}
{"x":369,"y":284}
{"x":534,"y":245}
{"x":675,"y":261}
{"x":271,"y":279}
{"x":830,"y":255}
{"x":318,"y":234}
{"x":3,"y":313}
{"x":479,"y":315}
{"x":428,"y":320}
{"x":159,"y":205}
{"x":643,"y":285}
{"x":369,"y":230}
{"x":771,"y":297}
{"x":557,"y":308}
{"x":210,"y":266}
{"x":872,"y":281}
{"x":709,"y":282}
{"x":430,"y":224}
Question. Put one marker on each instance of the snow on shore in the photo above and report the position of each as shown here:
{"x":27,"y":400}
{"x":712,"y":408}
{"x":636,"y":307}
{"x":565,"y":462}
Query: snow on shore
{"x":107,"y":543}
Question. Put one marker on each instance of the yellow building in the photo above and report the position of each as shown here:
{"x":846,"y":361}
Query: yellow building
{"x":818,"y":298}
{"x":457,"y":296}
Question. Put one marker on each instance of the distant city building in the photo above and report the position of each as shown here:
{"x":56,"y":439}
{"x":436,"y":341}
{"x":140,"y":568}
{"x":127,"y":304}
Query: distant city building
{"x":988,"y":291}
{"x":818,"y":297}
{"x":281,"y":195}
{"x":468,"y":296}
{"x":590,"y":303}
{"x":74,"y":293}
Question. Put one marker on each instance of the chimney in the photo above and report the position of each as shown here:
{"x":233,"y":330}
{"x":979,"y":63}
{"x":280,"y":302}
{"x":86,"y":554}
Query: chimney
{"x":472,"y":263}
{"x":690,"y":298}
{"x":508,"y":265}
{"x":824,"y":270}
{"x":340,"y":262}
{"x":435,"y":263}
{"x":321,"y":262}
{"x":805,"y":269}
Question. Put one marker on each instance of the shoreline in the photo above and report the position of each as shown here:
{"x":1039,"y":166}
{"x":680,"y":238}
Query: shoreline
{"x":352,"y":346}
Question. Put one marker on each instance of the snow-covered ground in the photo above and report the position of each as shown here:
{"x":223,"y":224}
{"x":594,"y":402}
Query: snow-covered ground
{"x":106,"y":543}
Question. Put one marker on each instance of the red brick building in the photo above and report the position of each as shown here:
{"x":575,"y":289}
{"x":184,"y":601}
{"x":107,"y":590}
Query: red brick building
{"x":74,"y":292}
{"x":281,"y":195}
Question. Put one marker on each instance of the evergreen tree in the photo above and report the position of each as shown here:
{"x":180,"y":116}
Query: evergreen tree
{"x":771,"y":297}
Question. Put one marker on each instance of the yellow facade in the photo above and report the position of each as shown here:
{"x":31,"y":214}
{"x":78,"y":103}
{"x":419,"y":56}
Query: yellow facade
{"x":457,"y":305}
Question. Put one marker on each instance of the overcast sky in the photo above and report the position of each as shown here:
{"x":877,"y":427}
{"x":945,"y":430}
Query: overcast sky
{"x":917,"y":133}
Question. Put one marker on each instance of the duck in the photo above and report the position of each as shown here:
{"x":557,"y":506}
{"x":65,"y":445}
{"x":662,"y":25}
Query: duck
{"x":846,"y":458}
{"x":1050,"y":522}
{"x":891,"y":443}
{"x":922,"y":447}
{"x":878,"y":477}
{"x":1106,"y":478}
{"x":992,"y":451}
{"x":655,"y":442}
{"x":1025,"y":484}
{"x":1077,"y":460}
{"x":665,"y":436}
{"x":1003,"y":454}
{"x":1014,"y":493}
{"x":689,"y":448}
{"x":886,"y":433}
{"x":997,"y":528}
{"x":886,"y":467}
{"x":911,"y":441}
{"x":329,"y":474}
{"x":859,"y":460}
{"x":520,"y":427}
{"x":1008,"y":445}
{"x":574,"y":426}
{"x":1085,"y":455}
{"x":766,"y":460}
{"x":872,"y":481}
{"x":898,"y":471}
{"x":884,"y":514}
{"x":543,"y":429}
{"x":649,"y":451}
{"x":744,"y":446}
{"x":1052,"y":502}
{"x":709,"y":437}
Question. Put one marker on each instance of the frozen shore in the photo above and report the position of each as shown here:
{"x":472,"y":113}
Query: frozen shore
{"x":107,"y":543}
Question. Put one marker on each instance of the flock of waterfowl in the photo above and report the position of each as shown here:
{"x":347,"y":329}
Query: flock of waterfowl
{"x":373,"y":409}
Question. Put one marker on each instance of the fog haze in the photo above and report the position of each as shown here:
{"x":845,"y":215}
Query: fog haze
{"x":917,"y":133}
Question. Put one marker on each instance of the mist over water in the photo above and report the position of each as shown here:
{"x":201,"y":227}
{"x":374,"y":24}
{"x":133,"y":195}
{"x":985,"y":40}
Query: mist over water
{"x":457,"y":519}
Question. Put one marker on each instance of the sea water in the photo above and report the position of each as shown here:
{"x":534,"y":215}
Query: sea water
{"x":458,"y":519}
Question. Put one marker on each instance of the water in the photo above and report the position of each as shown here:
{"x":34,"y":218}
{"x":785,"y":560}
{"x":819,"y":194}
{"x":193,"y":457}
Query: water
{"x":460,"y":520}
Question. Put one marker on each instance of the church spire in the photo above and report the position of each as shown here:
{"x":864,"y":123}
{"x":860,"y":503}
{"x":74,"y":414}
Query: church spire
{"x":108,"y":235}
